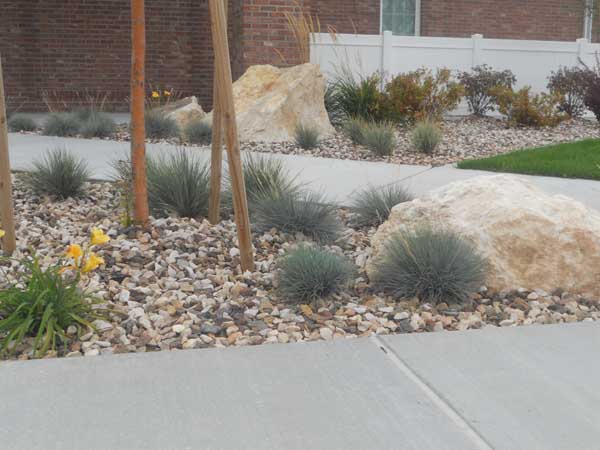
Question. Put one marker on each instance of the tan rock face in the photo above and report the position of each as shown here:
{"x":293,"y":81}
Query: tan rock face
{"x":532,"y":239}
{"x":270,"y":102}
{"x":184,"y":111}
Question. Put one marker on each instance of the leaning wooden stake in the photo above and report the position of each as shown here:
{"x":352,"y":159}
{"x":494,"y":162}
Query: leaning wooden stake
{"x":225,"y":90}
{"x":216,"y":155}
{"x":6,"y":201}
{"x":138,"y":131}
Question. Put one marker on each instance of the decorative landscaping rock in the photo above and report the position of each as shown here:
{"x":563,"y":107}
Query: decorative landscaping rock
{"x":531,"y":239}
{"x":184,"y":111}
{"x":270,"y":102}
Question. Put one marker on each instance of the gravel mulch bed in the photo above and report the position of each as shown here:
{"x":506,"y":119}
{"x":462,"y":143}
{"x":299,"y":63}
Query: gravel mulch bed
{"x":179,"y":286}
{"x":464,"y":138}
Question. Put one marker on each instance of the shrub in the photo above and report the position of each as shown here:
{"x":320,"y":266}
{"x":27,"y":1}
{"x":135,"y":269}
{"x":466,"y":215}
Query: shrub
{"x":61,"y":124}
{"x":522,"y":108}
{"x":99,"y":125}
{"x":372,"y":205}
{"x":305,"y":213}
{"x":60,"y":174}
{"x":570,"y":84}
{"x":592,"y":94}
{"x":354,"y":129}
{"x":380,"y":138}
{"x":420,"y":95}
{"x":478,"y":84}
{"x":178,"y":183}
{"x":306,"y":136}
{"x":266,"y":177}
{"x":198,"y":132}
{"x":308,"y":274}
{"x":21,"y":122}
{"x":432,"y":265}
{"x":426,"y":136}
{"x":160,"y":126}
{"x":351,"y":97}
{"x":42,"y":304}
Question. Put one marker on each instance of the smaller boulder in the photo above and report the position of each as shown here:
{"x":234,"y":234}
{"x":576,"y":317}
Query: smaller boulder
{"x":184,"y":111}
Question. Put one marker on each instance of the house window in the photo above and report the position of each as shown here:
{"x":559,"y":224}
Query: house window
{"x":400,"y":16}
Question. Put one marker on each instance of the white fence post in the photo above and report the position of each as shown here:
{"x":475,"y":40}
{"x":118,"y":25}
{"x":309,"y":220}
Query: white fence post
{"x":386,"y":54}
{"x":477,"y":41}
{"x":581,"y":49}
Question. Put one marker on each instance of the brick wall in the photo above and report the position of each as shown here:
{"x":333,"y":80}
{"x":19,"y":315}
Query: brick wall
{"x":65,"y":47}
{"x":560,"y":20}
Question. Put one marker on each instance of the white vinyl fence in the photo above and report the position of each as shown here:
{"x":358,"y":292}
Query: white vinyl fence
{"x":530,"y":61}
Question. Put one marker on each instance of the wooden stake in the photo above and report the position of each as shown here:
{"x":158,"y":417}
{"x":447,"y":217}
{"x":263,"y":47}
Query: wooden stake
{"x":6,"y":201}
{"x":138,"y":131}
{"x":225,"y":90}
{"x":216,"y":155}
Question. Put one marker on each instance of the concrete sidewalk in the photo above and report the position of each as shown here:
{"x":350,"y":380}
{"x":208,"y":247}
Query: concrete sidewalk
{"x":338,"y":179}
{"x":532,"y":388}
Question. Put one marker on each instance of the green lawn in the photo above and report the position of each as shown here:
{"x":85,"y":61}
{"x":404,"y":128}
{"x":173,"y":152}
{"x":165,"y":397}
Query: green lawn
{"x":579,"y":159}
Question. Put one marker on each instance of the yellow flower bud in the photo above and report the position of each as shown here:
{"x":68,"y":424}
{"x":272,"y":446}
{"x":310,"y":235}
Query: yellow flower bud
{"x":98,"y":237}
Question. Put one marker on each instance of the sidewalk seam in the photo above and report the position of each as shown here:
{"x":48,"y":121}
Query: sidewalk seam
{"x":443,"y":405}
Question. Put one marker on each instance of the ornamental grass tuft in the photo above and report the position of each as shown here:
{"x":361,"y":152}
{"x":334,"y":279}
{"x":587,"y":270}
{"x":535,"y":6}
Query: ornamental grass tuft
{"x":59,"y":174}
{"x":435,"y":266}
{"x":372,"y":205}
{"x":308,"y":274}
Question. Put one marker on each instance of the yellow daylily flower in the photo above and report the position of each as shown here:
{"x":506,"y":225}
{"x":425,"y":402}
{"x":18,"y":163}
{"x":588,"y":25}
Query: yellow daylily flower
{"x":74,"y":251}
{"x":92,"y":262}
{"x":2,"y":233}
{"x":167,"y":93}
{"x":155,"y":94}
{"x":98,"y":237}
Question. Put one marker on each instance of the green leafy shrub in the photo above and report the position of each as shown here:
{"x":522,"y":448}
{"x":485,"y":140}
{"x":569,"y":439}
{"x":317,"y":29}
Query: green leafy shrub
{"x":522,"y":108}
{"x":61,"y":124}
{"x":198,"y":132}
{"x":420,"y":95}
{"x":380,"y":138}
{"x":308,"y":274}
{"x":372,"y":205}
{"x":352,"y":97}
{"x":160,"y":126}
{"x":21,"y":122}
{"x":266,"y":177}
{"x":571,"y":85}
{"x":42,"y":305}
{"x":178,"y":183}
{"x":432,"y":265}
{"x":426,"y":136}
{"x":354,"y":129}
{"x":478,"y":84}
{"x":305,"y":213}
{"x":306,"y":136}
{"x":59,"y":174}
{"x":99,"y":125}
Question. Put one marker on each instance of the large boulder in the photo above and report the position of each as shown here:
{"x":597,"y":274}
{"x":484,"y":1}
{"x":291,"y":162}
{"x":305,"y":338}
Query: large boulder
{"x":184,"y":111}
{"x":532,"y":239}
{"x":270,"y":102}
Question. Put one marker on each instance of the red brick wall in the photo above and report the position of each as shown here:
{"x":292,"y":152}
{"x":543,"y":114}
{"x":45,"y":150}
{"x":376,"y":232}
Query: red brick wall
{"x":560,"y":20}
{"x":68,"y":46}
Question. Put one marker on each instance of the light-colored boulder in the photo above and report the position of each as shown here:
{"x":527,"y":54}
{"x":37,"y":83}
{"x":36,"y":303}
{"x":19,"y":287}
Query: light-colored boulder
{"x":184,"y":111}
{"x":270,"y":102}
{"x":532,"y":239}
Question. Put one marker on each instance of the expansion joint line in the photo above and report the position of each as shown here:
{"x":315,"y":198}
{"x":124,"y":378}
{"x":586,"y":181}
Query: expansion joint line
{"x":455,"y":417}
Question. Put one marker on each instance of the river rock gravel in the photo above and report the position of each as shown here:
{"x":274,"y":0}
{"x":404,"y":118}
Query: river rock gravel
{"x":178,"y":285}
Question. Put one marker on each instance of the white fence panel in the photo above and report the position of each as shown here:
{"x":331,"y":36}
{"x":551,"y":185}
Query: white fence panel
{"x":531,"y":61}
